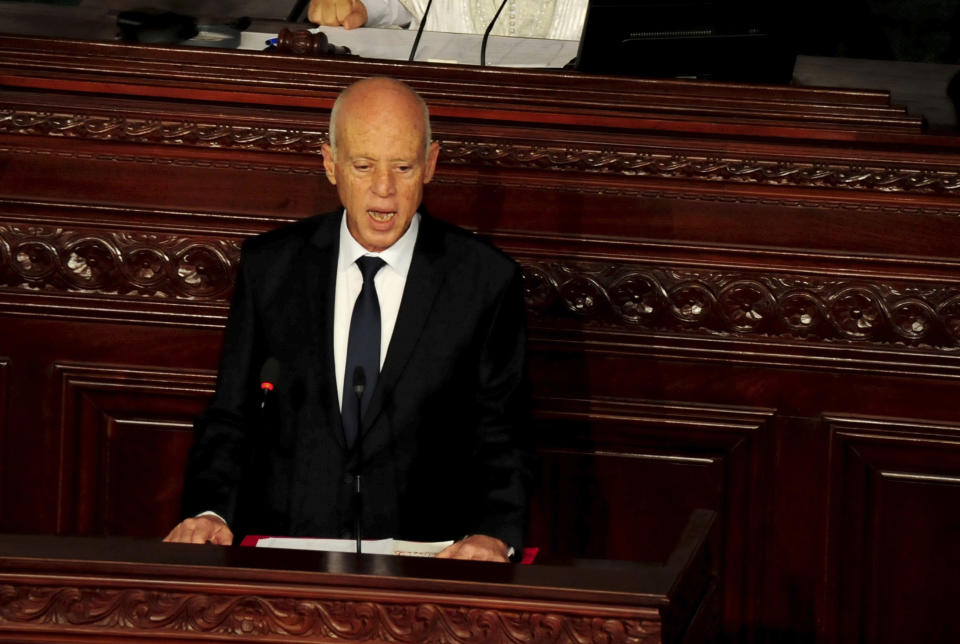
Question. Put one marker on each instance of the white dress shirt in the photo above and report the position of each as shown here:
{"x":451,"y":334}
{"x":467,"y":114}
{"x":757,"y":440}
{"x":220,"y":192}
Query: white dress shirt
{"x":389,"y":282}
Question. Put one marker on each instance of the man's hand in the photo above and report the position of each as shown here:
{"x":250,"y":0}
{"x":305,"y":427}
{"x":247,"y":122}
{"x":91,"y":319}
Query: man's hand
{"x":478,"y":547}
{"x":201,"y":530}
{"x":348,"y":14}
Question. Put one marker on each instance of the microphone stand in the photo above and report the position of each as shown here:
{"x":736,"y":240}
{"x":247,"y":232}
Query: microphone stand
{"x":359,"y":384}
{"x":423,"y":22}
{"x":486,"y":34}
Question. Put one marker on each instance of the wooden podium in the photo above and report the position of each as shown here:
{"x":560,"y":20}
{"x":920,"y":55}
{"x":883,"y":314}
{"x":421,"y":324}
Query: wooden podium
{"x":84,"y":589}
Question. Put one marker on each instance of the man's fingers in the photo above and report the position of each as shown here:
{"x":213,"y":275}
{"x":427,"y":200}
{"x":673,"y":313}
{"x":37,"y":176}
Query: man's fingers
{"x":324,"y":12}
{"x":222,"y":537}
{"x":332,"y":13}
{"x":448,"y":552}
{"x":201,"y":530}
{"x":357,"y":18}
{"x":479,"y":554}
{"x":476,"y":547}
{"x":344,"y":9}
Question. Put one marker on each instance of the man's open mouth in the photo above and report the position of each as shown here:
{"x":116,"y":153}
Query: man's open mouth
{"x":382,"y":215}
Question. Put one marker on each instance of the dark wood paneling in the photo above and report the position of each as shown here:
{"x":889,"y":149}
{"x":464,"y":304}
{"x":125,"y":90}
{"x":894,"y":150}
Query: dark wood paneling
{"x":894,"y":534}
{"x":711,"y":270}
{"x":124,"y":437}
{"x":4,"y":414}
{"x":68,"y":415}
{"x":607,"y":463}
{"x":243,"y":183}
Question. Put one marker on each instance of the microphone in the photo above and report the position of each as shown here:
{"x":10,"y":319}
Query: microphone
{"x":486,"y":34}
{"x":268,"y":377}
{"x":359,"y":381}
{"x":423,"y":21}
{"x":359,"y":385}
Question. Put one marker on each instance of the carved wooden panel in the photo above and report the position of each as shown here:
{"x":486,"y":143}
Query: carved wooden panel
{"x":638,"y":297}
{"x":114,"y":264}
{"x":744,"y":303}
{"x":131,"y":263}
{"x":653,"y":162}
{"x":123,"y":440}
{"x":54,"y":588}
{"x":40,"y":611}
{"x":894,"y":535}
{"x":638,"y":161}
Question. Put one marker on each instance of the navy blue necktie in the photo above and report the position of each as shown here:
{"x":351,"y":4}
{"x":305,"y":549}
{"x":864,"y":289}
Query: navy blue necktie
{"x":363,"y":350}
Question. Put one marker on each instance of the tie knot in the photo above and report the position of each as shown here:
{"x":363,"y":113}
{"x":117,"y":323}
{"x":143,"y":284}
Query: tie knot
{"x":369,"y":266}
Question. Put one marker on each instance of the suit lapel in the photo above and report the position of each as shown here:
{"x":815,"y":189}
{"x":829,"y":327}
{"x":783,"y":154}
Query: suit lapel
{"x":321,"y":280}
{"x":419,"y":296}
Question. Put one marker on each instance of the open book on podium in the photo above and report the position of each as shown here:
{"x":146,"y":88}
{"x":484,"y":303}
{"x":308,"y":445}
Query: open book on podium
{"x":367,"y":546}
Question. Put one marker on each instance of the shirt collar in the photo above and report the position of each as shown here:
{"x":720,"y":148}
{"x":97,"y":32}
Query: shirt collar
{"x":398,"y":256}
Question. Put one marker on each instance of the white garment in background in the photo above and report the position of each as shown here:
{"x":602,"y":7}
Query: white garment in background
{"x":387,"y":13}
{"x":556,"y":19}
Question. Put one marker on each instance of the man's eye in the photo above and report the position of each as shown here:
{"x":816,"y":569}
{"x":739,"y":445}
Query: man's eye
{"x":403,"y":168}
{"x":361,"y":167}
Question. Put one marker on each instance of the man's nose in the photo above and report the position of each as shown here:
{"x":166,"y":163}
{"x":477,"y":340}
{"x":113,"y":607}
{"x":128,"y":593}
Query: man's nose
{"x":384,"y":183}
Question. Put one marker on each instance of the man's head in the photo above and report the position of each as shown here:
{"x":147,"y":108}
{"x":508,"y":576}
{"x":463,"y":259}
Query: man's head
{"x":379,"y":157}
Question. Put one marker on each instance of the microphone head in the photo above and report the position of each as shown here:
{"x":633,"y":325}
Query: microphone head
{"x":268,"y":373}
{"x":359,"y":380}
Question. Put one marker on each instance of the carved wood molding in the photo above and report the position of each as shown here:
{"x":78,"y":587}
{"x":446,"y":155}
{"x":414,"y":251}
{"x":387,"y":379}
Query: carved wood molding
{"x":614,"y":162}
{"x":680,"y":192}
{"x":648,"y":163}
{"x":590,"y":295}
{"x":279,"y":168}
{"x":45,"y":258}
{"x":128,"y":611}
{"x":155,"y":131}
{"x":744,"y":303}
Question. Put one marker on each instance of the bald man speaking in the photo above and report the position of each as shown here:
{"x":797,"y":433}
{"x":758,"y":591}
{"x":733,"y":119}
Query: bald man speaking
{"x":399,"y":350}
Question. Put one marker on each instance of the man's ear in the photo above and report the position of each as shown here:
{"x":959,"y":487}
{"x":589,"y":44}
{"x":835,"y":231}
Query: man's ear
{"x":432,"y":153}
{"x":329,"y":165}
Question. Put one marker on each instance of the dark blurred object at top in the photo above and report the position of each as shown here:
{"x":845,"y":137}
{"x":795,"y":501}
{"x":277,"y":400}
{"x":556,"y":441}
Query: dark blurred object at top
{"x":754,"y":41}
{"x":729,"y":40}
{"x":156,"y":26}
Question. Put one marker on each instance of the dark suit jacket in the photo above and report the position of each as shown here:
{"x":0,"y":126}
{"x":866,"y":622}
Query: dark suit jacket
{"x":444,"y":452}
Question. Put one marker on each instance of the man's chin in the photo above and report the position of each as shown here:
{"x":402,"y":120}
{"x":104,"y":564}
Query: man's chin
{"x":377,"y":241}
{"x":383,"y":234}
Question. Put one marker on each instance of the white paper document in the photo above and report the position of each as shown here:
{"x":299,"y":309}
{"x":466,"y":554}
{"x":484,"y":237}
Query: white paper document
{"x":374,"y":547}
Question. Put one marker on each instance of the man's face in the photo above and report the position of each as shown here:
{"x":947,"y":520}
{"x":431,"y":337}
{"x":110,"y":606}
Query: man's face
{"x":381,"y":164}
